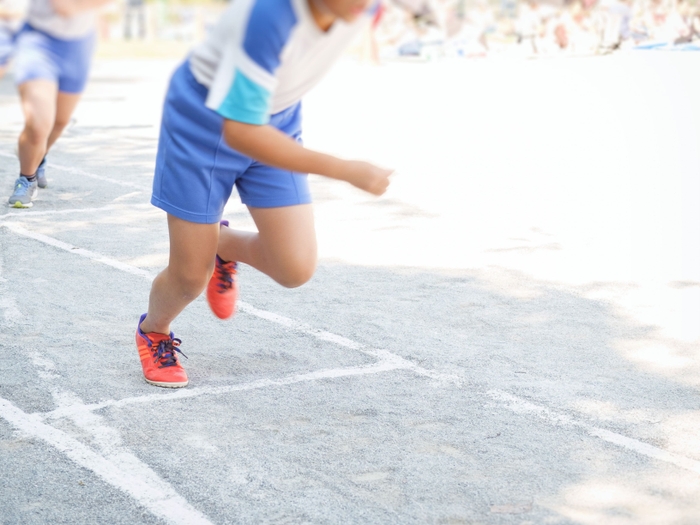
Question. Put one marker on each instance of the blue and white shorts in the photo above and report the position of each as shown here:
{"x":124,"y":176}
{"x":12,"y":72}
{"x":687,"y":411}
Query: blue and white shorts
{"x":196,"y":170}
{"x":42,"y":56}
{"x":7,"y":40}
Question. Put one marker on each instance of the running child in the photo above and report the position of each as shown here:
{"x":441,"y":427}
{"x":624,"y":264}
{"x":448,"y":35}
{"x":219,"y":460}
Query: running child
{"x":232,"y":116}
{"x":52,"y":61}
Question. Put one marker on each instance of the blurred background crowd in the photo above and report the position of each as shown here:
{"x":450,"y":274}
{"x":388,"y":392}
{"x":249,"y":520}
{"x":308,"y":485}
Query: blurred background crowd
{"x":430,"y":29}
{"x":537,"y":27}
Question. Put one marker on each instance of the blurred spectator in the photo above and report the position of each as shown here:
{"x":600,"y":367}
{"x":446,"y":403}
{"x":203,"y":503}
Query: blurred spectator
{"x":619,"y":23}
{"x":530,"y":25}
{"x":470,"y":30}
{"x":370,"y":47}
{"x":135,"y":13}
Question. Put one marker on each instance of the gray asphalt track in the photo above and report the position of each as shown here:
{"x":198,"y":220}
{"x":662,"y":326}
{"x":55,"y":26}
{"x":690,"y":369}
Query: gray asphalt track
{"x":510,"y":336}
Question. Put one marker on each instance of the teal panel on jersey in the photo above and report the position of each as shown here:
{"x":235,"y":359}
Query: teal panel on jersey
{"x":246,"y":101}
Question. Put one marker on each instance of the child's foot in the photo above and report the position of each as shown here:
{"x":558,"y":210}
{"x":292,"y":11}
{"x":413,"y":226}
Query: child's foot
{"x":222,"y":290}
{"x":41,"y":179}
{"x":158,"y":353}
{"x":24,"y":194}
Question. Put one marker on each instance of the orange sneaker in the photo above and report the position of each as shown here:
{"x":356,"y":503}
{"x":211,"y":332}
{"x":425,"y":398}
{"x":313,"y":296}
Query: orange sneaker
{"x":159,"y":359}
{"x":222,"y":290}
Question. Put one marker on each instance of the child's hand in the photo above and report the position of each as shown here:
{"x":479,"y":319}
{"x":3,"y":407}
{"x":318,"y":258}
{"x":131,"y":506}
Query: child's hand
{"x":366,"y":176}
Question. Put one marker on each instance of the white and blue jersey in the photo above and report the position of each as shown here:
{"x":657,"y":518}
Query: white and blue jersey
{"x":255,"y":67}
{"x":265,"y":55}
{"x":56,"y":48}
{"x":43,"y":17}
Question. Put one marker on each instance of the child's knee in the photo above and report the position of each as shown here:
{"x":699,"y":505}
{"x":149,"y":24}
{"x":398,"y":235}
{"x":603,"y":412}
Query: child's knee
{"x":191,"y":284}
{"x":297,"y":273}
{"x":37,"y":129}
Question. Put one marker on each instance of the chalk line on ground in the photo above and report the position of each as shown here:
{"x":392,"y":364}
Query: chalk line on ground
{"x":82,"y":173}
{"x":20,"y":230}
{"x":160,"y":499}
{"x":287,"y":322}
{"x":522,"y":406}
{"x":29,"y":214}
{"x":109,"y":442}
{"x":377,"y":368}
{"x":512,"y":402}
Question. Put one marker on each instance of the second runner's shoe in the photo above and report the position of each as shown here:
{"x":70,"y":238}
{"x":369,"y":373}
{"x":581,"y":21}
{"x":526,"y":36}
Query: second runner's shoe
{"x":158,"y":353}
{"x":41,"y":179}
{"x":222,"y":290}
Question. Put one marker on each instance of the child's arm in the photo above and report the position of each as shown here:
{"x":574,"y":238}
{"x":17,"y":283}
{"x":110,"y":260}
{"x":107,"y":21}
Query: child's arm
{"x":270,"y":146}
{"x":73,"y":7}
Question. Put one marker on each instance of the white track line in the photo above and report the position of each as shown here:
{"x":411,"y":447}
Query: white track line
{"x":287,"y":322}
{"x":82,"y":173}
{"x":512,"y":402}
{"x":160,"y":499}
{"x":298,"y":326}
{"x":522,"y":406}
{"x":102,"y":178}
{"x":377,"y":368}
{"x":29,"y":214}
{"x":20,"y":230}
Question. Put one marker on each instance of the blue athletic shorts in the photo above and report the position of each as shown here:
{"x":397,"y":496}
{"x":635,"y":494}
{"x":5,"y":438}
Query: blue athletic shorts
{"x":196,"y":170}
{"x":7,"y":39}
{"x":42,"y":56}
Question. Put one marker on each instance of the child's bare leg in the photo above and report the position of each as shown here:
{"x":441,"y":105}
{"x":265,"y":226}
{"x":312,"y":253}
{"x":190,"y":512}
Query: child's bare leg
{"x":284,"y":247}
{"x":38,"y":98}
{"x":65,"y":106}
{"x":192,"y":254}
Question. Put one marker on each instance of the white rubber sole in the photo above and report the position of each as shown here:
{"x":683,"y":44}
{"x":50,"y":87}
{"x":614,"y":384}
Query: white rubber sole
{"x":167,"y":385}
{"x":20,"y":206}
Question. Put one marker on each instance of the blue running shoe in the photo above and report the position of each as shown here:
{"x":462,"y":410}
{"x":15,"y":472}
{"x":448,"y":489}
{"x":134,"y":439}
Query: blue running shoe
{"x":24,"y":193}
{"x":41,"y":174}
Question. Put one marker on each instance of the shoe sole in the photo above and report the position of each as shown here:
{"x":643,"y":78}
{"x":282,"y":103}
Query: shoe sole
{"x":222,"y":317}
{"x":167,"y":385}
{"x":19,"y":205}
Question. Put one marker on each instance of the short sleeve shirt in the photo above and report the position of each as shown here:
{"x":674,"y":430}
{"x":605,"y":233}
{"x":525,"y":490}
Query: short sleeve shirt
{"x":42,"y":16}
{"x":265,"y":55}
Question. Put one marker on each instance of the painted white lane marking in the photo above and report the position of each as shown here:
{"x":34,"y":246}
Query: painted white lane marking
{"x":158,"y":498}
{"x":82,"y":173}
{"x":287,"y":322}
{"x":298,"y":326}
{"x":101,"y":178}
{"x":20,"y":230}
{"x":107,"y":439}
{"x":24,"y":214}
{"x":334,"y":373}
{"x":522,"y":406}
{"x":514,"y":403}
